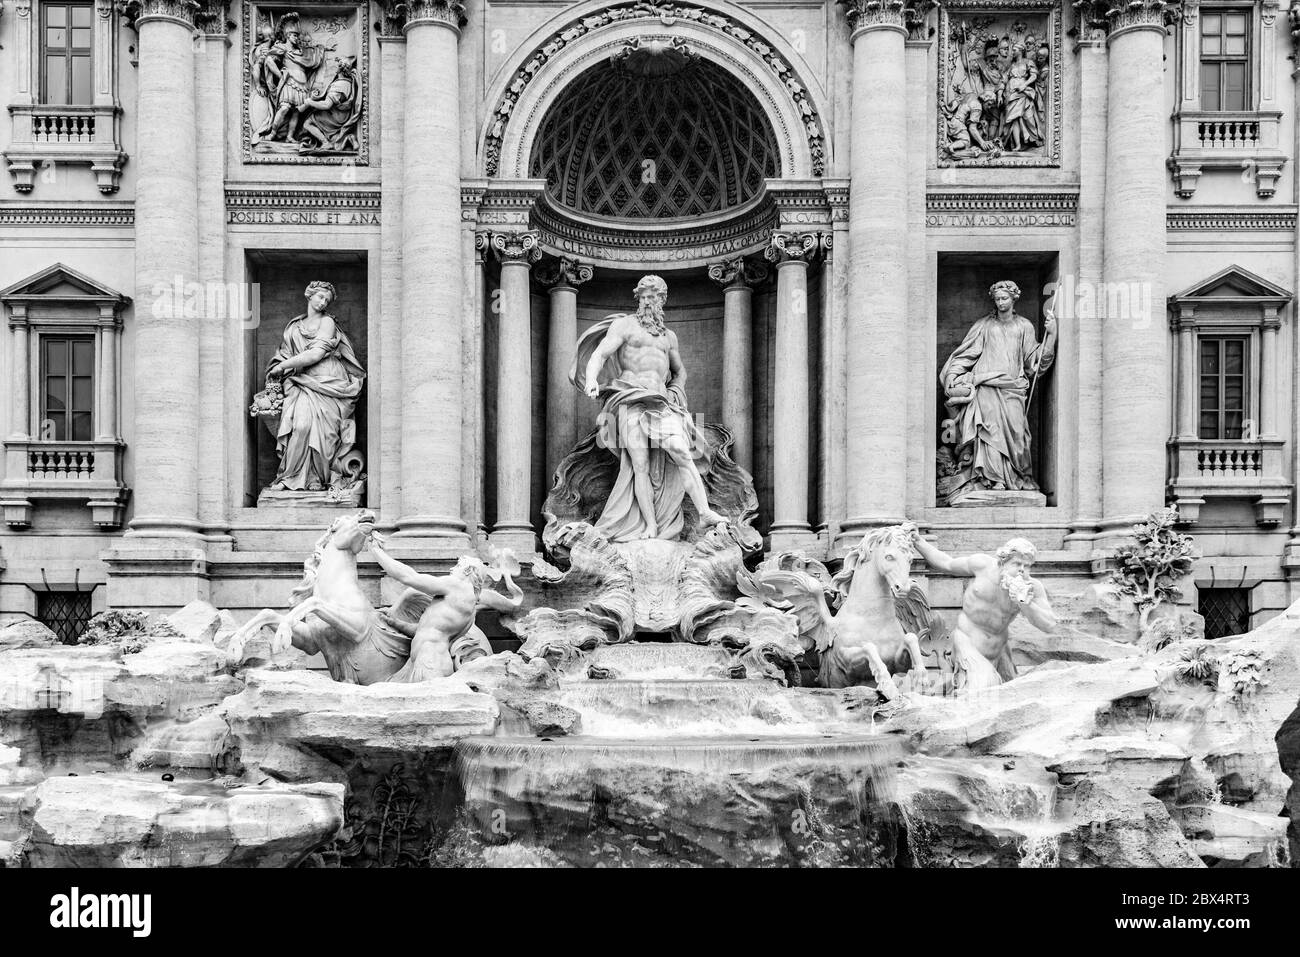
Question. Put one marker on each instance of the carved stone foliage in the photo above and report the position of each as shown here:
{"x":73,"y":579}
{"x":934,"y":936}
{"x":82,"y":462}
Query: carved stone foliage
{"x":399,"y":14}
{"x":1000,"y":83}
{"x":1100,"y":17}
{"x":305,"y":72}
{"x":909,"y":14}
{"x":738,"y":270}
{"x":663,"y":13}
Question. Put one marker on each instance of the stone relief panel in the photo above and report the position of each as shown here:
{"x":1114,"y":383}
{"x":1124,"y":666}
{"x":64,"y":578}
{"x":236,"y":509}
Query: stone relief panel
{"x":304,"y":83}
{"x":1000,"y":84}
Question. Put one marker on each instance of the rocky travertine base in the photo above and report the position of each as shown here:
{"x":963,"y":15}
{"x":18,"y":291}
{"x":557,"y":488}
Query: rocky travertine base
{"x":147,"y":748}
{"x":113,"y":820}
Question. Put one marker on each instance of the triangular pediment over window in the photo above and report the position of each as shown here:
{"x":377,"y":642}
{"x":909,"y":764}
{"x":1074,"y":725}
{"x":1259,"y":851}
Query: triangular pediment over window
{"x":1233,"y":285}
{"x":60,"y":283}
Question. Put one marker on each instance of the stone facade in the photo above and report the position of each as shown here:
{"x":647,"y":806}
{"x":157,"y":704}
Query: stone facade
{"x":488,"y":179}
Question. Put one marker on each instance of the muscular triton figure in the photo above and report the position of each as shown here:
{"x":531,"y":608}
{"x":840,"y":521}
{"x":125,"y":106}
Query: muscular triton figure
{"x":445,"y":633}
{"x":1002,"y":589}
{"x":631,"y":362}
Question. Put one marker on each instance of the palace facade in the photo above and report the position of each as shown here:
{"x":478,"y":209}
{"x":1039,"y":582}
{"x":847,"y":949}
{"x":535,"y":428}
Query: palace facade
{"x":829,"y":190}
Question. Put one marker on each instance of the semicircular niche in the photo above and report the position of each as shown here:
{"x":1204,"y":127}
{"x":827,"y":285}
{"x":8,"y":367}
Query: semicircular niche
{"x":655,"y":133}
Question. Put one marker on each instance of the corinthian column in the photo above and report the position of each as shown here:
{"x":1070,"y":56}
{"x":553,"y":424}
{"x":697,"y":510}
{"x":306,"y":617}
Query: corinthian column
{"x":737,"y":277}
{"x":516,"y":251}
{"x":432,"y":297}
{"x":165,"y":438}
{"x":791,"y":252}
{"x":1135,"y":343}
{"x":563,"y":276}
{"x":876,"y":414}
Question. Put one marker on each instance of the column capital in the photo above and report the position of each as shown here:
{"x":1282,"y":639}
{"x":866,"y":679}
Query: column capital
{"x":788,"y":246}
{"x":1113,"y":19}
{"x":738,"y":271}
{"x":518,"y":246}
{"x":181,"y":11}
{"x":905,"y":16}
{"x":401,"y":15}
{"x":564,"y":271}
{"x":210,"y":18}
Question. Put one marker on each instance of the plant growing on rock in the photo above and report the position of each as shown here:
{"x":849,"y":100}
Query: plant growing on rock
{"x":1151,"y":565}
{"x":129,"y":629}
{"x":1241,"y":673}
{"x":1195,"y":663}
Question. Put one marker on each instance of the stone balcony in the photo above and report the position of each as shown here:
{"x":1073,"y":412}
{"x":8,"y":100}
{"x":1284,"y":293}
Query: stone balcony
{"x":87,"y":473}
{"x":1251,"y":469}
{"x":64,"y":134}
{"x":1247,"y":141}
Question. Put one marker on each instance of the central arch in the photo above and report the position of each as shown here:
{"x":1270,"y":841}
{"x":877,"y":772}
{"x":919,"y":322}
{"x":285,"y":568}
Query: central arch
{"x":722,"y":34}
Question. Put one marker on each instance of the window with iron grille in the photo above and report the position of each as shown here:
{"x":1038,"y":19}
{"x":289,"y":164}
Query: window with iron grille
{"x":1226,"y":611}
{"x":68,"y":388}
{"x":66,"y":613}
{"x":1224,"y":384}
{"x":1225,"y":58}
{"x":66,"y":76}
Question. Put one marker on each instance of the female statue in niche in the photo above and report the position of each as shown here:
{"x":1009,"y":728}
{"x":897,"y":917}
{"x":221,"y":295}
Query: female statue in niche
{"x":321,"y":379}
{"x":987,"y":382}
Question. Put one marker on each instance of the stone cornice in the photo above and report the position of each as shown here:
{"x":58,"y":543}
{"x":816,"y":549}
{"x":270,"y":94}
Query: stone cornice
{"x":401,"y":15}
{"x":180,"y":11}
{"x":86,"y":215}
{"x":564,"y":271}
{"x":264,"y":197}
{"x":1210,"y":220}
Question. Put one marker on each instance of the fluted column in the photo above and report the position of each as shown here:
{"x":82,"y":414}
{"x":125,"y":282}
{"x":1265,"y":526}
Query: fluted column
{"x":432,"y":275}
{"x":165,"y":437}
{"x":563,"y":276}
{"x":516,"y":251}
{"x":737,"y":277}
{"x":1135,"y":346}
{"x":876,"y":419}
{"x":1087,"y":329}
{"x":20,"y":387}
{"x":791,"y":252}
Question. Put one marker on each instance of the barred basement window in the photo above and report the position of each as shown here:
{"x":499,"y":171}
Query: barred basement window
{"x":66,"y":613}
{"x":1226,"y":611}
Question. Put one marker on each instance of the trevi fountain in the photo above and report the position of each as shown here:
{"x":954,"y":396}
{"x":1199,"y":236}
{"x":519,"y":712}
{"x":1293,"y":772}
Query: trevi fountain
{"x":677,"y":696}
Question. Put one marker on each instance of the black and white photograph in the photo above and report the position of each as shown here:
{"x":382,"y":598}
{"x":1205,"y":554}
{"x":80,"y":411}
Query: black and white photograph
{"x":484,"y":435}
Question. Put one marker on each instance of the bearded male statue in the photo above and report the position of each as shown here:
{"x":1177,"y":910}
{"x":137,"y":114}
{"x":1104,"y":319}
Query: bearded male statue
{"x":631,"y":362}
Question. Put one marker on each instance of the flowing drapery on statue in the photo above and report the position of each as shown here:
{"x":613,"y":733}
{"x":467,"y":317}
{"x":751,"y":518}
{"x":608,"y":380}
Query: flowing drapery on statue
{"x":632,"y":413}
{"x":632,"y":364}
{"x":316,"y":378}
{"x":987,"y":381}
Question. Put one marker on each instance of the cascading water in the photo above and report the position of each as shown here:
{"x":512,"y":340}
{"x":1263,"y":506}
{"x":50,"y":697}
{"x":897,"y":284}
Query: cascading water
{"x":676,"y":767}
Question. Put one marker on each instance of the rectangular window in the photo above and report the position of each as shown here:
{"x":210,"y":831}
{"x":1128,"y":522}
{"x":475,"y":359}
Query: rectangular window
{"x":1225,"y":58}
{"x":1226,"y":611}
{"x":1224,"y":384}
{"x":67,"y":388}
{"x":66,"y":43}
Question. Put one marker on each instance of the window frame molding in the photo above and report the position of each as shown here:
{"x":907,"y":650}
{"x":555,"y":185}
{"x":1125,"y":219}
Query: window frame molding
{"x":60,"y":301}
{"x":1252,"y":467}
{"x":1253,"y":335}
{"x":43,"y":133}
{"x":1228,"y":139}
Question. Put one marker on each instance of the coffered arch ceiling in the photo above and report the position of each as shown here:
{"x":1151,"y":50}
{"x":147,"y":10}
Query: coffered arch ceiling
{"x":658,"y":135}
